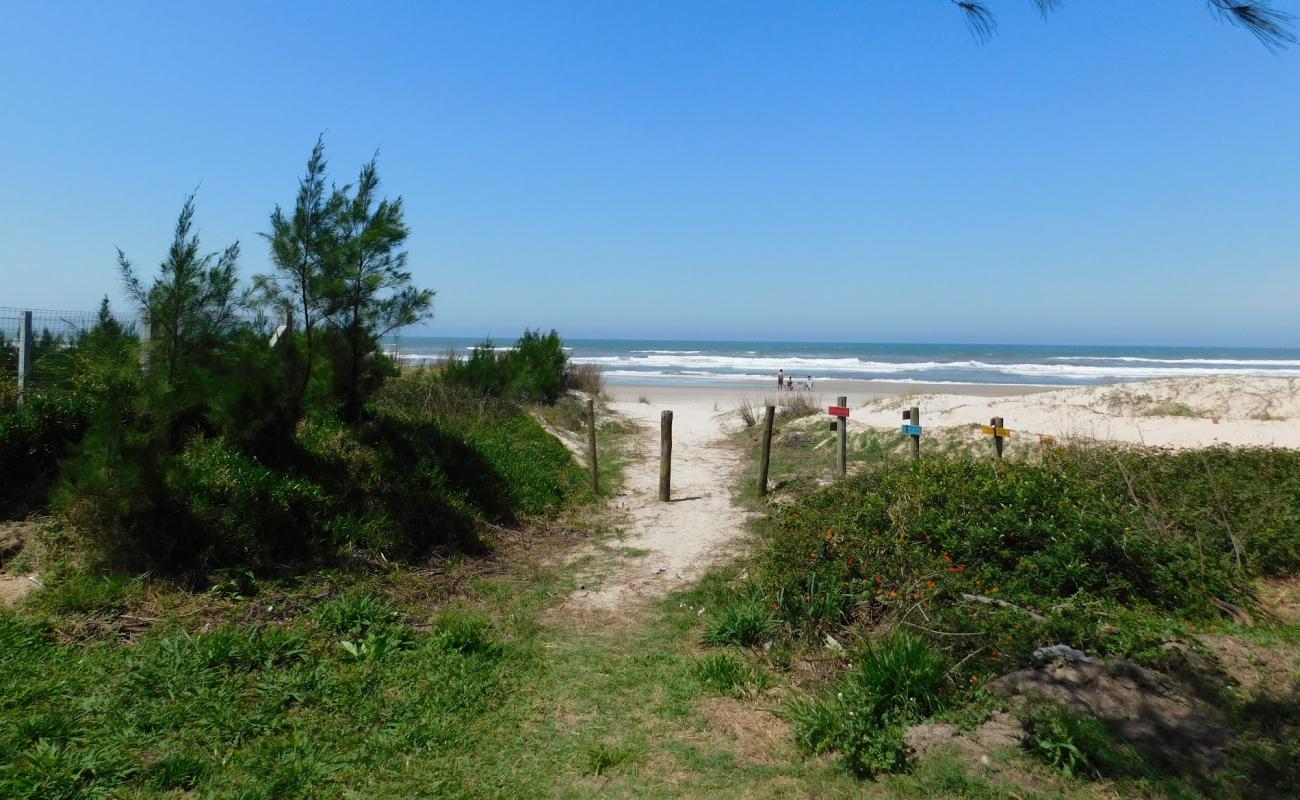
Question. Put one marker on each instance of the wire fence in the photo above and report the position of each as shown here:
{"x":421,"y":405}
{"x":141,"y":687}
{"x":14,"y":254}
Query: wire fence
{"x":39,"y":347}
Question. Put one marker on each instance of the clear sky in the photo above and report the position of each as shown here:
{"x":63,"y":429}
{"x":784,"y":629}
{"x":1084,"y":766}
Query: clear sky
{"x":864,"y":171}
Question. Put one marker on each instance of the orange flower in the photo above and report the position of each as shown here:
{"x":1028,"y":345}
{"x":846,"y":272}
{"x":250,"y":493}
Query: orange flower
{"x":893,"y":593}
{"x":974,"y":679}
{"x":930,"y":584}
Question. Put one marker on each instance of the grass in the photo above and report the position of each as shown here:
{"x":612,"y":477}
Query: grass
{"x":747,"y":413}
{"x":586,"y":378}
{"x":615,"y":451}
{"x":1078,"y":745}
{"x":1171,"y":409}
{"x":489,"y":696}
{"x":463,"y":678}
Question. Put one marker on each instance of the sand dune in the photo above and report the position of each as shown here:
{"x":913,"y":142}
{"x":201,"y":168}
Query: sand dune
{"x":1182,"y":412}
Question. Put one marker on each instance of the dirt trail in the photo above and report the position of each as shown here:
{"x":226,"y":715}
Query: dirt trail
{"x":681,"y":539}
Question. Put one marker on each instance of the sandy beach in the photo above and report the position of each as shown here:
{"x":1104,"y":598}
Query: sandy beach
{"x":857,"y":391}
{"x":1178,"y":412}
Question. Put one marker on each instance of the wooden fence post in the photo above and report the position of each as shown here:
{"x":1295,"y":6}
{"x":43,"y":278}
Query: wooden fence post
{"x":591,"y":444}
{"x":996,"y":422}
{"x":768,"y":415}
{"x":24,"y":353}
{"x":665,"y":455}
{"x":843,"y":461}
{"x":916,"y":438}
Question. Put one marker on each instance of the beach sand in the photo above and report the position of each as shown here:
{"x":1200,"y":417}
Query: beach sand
{"x":1174,"y":412}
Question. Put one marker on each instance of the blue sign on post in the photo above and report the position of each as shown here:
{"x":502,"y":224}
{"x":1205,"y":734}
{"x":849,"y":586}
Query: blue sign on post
{"x":912,"y":430}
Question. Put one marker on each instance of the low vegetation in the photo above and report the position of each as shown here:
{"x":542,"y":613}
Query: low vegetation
{"x":924,"y":581}
{"x":534,"y":370}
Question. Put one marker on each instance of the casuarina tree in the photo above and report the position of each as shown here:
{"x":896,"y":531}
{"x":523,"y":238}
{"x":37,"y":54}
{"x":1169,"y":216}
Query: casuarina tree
{"x":1272,"y":27}
{"x":303,"y":242}
{"x":193,"y":301}
{"x":370,"y":293}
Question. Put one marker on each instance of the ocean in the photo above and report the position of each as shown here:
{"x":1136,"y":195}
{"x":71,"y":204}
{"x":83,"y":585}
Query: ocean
{"x":703,"y":363}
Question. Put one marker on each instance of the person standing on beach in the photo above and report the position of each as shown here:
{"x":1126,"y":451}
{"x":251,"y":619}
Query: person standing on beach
{"x":780,"y":379}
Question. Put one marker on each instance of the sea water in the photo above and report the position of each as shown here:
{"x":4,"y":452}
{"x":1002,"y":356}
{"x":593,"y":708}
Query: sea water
{"x":676,"y":362}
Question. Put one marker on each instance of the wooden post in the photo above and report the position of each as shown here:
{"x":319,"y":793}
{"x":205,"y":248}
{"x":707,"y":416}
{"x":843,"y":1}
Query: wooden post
{"x":996,"y":422}
{"x":916,"y":440}
{"x":665,"y":455}
{"x":591,"y":444}
{"x":843,"y":462}
{"x":768,"y":415}
{"x":24,"y":353}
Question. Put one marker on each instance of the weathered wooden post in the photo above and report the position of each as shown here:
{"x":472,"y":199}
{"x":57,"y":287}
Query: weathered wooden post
{"x":843,"y":461}
{"x":769,"y":414}
{"x":913,"y":429}
{"x":999,"y":434}
{"x":24,"y":353}
{"x":591,"y":444}
{"x":665,"y":455}
{"x":841,"y":424}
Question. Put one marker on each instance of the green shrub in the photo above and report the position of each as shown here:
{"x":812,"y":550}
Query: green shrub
{"x":237,"y":510}
{"x":536,"y":369}
{"x":1155,"y":529}
{"x":494,"y":451}
{"x":429,"y":467}
{"x":1112,"y":550}
{"x":33,"y":439}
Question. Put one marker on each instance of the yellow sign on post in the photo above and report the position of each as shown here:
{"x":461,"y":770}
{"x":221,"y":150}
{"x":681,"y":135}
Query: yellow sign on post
{"x":992,"y":431}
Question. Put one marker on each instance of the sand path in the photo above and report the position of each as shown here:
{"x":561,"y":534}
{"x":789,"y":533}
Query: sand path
{"x":673,"y":543}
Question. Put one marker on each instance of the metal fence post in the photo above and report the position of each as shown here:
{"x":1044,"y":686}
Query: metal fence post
{"x":24,"y":353}
{"x":145,"y":335}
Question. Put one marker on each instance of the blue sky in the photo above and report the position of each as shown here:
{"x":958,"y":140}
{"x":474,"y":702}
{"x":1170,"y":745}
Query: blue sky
{"x":864,"y":171}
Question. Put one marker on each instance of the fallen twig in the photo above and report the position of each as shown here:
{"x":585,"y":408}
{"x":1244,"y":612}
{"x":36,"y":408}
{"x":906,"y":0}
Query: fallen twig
{"x":993,"y":601}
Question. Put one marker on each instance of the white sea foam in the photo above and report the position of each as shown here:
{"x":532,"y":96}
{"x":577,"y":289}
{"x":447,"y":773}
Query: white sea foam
{"x":767,"y":366}
{"x":1243,"y":362}
{"x":738,"y":377}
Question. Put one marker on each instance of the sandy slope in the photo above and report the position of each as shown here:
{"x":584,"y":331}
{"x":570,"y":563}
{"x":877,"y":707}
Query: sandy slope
{"x":1223,"y":410}
{"x":681,"y":538}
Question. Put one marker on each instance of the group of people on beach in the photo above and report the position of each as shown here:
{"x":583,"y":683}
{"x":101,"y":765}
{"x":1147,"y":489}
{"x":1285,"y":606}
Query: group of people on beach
{"x":787,"y":382}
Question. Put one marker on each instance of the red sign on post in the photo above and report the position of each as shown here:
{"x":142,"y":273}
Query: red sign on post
{"x":838,"y":411}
